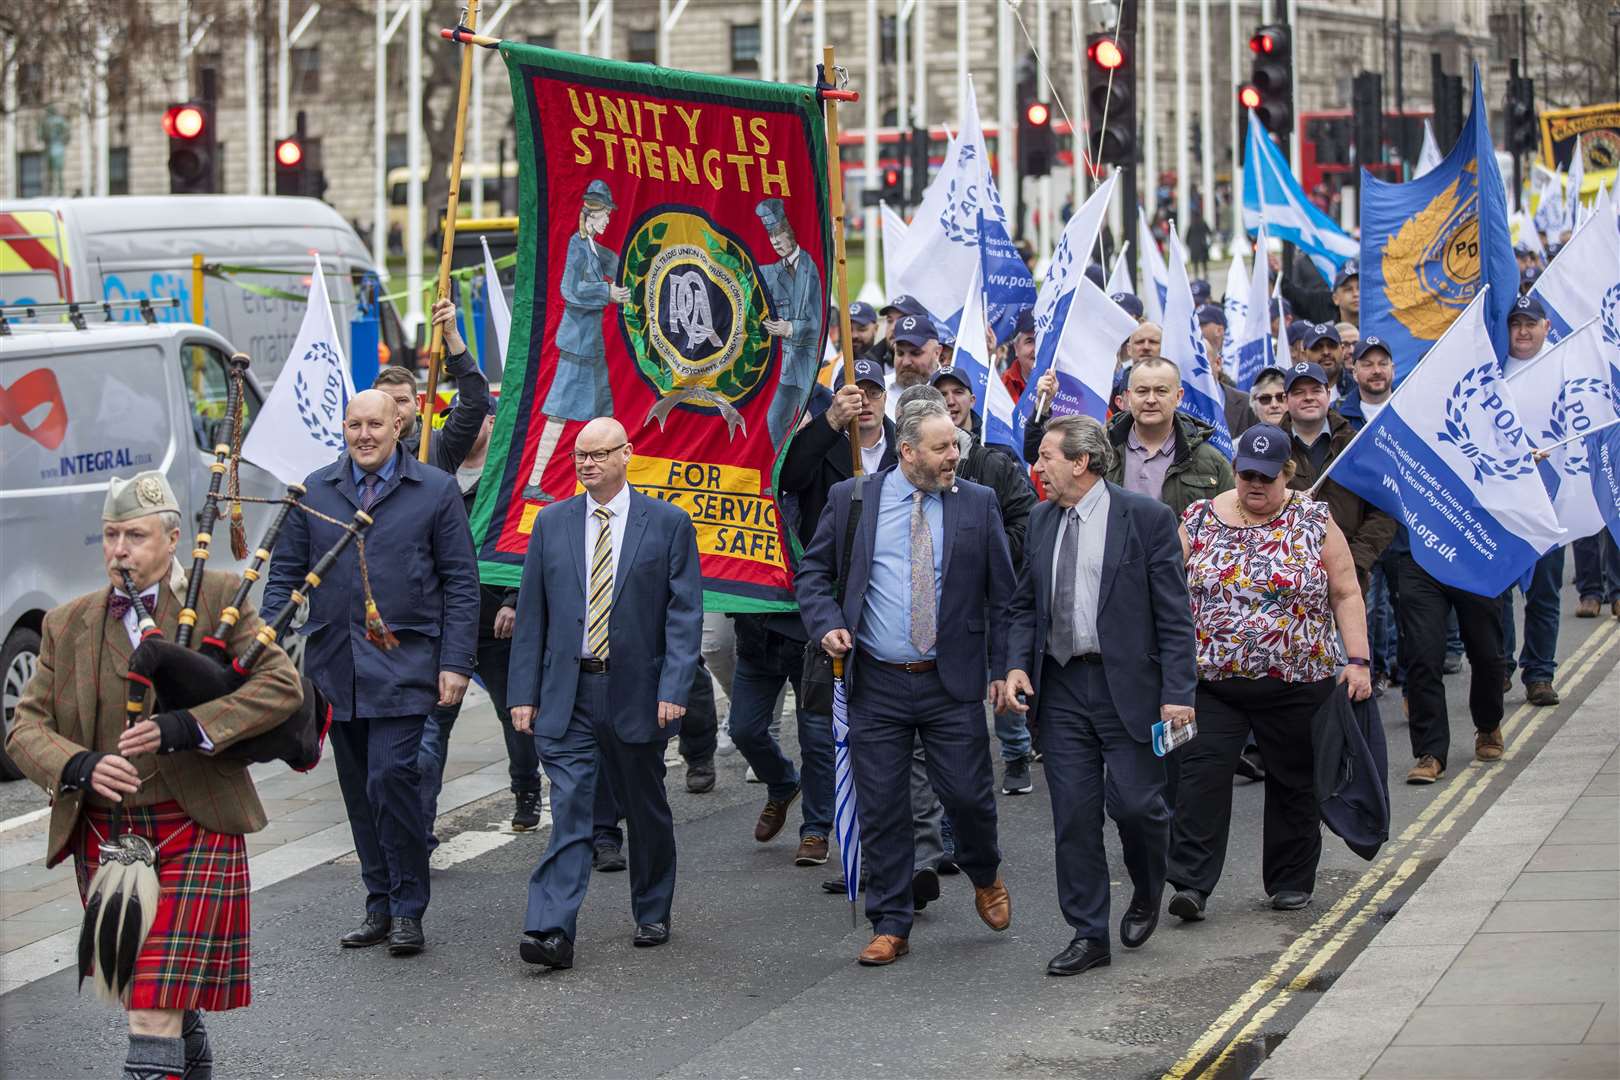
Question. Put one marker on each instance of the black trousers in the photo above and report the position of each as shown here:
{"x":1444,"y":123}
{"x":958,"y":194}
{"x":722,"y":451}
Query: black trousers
{"x":1279,"y":714}
{"x":1421,"y":606}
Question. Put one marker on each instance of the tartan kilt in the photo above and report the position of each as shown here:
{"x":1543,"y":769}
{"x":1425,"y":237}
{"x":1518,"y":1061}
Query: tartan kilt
{"x":196,"y":956}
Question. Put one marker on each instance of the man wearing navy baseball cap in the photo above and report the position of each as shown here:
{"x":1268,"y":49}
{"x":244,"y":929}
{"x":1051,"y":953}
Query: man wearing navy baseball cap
{"x":1130,"y":304}
{"x":862,"y":327}
{"x":1527,"y":332}
{"x":1347,"y":292}
{"x":1321,"y":344}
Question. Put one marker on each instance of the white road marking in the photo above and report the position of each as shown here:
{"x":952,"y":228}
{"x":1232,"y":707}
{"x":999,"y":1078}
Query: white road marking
{"x":24,"y":819}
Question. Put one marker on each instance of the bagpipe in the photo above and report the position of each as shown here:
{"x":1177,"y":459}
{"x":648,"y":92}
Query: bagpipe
{"x":184,"y":678}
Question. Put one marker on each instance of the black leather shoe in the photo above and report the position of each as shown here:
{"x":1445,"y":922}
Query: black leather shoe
{"x":1083,"y":954}
{"x":551,"y":949}
{"x":700,"y":777}
{"x":1188,"y":905}
{"x":650,"y":934}
{"x":924,"y":887}
{"x":374,"y":931}
{"x":406,"y":937}
{"x":1138,"y":922}
{"x":840,"y":887}
{"x":1290,"y":900}
{"x":607,"y":860}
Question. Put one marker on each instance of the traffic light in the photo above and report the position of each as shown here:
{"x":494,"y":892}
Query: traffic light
{"x":1367,"y":101}
{"x":1111,"y":100}
{"x":1523,"y":133}
{"x":893,"y":189}
{"x":193,"y":148}
{"x":296,"y":174}
{"x":919,"y":164}
{"x":1448,"y":105}
{"x":1270,"y":92}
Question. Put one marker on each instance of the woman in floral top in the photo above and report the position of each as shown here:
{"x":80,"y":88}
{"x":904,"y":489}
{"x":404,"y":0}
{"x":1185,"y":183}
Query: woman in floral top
{"x":1271,"y":579}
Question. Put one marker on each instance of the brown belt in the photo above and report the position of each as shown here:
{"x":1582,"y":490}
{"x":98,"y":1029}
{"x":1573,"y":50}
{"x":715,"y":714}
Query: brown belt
{"x":913,"y":667}
{"x":592,"y":666}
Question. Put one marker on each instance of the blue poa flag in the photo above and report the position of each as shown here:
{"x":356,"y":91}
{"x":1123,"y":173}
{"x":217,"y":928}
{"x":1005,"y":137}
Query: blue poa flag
{"x":1432,"y":244}
{"x":1008,"y":285}
{"x":1584,"y":277}
{"x":1449,"y":458}
{"x":1603,"y":448}
{"x":1184,"y":344}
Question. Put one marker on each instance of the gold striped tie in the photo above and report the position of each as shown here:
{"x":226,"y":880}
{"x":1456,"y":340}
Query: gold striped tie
{"x":600,"y":605}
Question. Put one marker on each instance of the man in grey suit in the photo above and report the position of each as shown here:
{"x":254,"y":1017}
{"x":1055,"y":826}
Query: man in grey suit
{"x":1101,"y":557}
{"x":794,"y":285}
{"x":604,"y":650}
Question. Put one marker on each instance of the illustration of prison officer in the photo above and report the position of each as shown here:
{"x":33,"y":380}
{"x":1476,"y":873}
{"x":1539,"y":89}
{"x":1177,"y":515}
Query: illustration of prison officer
{"x":579,"y":390}
{"x":795,"y":290}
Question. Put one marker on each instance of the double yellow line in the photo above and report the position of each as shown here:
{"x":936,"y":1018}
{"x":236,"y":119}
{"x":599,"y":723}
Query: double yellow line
{"x":1402,"y":857}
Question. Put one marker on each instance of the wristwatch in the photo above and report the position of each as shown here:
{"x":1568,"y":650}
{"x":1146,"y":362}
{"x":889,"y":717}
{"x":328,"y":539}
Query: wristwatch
{"x":1359,"y":661}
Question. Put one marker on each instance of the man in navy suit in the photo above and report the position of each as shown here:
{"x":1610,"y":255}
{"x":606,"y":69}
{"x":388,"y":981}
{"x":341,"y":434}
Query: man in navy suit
{"x":380,"y":700}
{"x":919,"y":622}
{"x":1101,"y":557}
{"x":606,"y":645}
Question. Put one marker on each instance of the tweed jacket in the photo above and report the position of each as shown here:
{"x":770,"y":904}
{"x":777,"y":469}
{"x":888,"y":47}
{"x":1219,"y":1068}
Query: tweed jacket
{"x":66,"y":708}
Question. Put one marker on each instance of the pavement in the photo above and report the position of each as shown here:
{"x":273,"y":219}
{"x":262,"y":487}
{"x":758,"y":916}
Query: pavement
{"x":759,"y":979}
{"x":1506,"y":962}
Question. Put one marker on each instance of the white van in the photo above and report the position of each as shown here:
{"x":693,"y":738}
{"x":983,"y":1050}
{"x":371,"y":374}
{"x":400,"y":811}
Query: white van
{"x":87,"y":405}
{"x":132,"y":247}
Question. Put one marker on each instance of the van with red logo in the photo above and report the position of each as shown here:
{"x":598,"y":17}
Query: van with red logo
{"x":78,"y":407}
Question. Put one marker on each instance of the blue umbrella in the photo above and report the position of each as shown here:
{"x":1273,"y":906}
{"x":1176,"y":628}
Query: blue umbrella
{"x":845,"y":821}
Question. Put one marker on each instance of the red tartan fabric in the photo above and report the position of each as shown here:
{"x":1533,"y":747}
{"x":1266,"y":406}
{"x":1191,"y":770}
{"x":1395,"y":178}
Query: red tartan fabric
{"x":196,"y":956}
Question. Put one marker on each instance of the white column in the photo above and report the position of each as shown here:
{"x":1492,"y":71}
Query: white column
{"x":1206,"y":122}
{"x":1077,"y":79}
{"x":1300,"y":60}
{"x":872,"y":218}
{"x":283,"y":71}
{"x":605,"y":26}
{"x":252,"y":133}
{"x":1150,"y":108}
{"x":663,"y":33}
{"x":1179,"y":127}
{"x":1006,"y":123}
{"x":1234,"y":49}
{"x":103,"y":132}
{"x":584,"y":26}
{"x":818,"y":33}
{"x":86,"y":143}
{"x":961,"y":61}
{"x":414,"y":163}
{"x":475,"y":137}
{"x":379,"y":140}
{"x":767,"y":40}
{"x":13,"y":183}
{"x":919,"y":63}
{"x":1043,"y":45}
{"x":182,"y":67}
{"x":902,"y":91}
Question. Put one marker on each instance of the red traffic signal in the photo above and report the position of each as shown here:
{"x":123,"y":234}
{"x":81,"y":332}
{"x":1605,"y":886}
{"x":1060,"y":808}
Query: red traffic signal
{"x":1264,"y":43}
{"x":891,"y":177}
{"x":1249,"y":97}
{"x":289,"y":153}
{"x":183,"y":122}
{"x":1106,"y":53}
{"x":1038,"y":113}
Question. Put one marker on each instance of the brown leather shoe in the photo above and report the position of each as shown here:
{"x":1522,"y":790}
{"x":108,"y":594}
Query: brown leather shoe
{"x":1488,"y":745}
{"x":812,"y":851}
{"x":993,"y":905}
{"x":1588,"y":608}
{"x":884,"y":949}
{"x":1614,"y":608}
{"x":1541,"y":693}
{"x":773,"y":817}
{"x":1427,"y":770}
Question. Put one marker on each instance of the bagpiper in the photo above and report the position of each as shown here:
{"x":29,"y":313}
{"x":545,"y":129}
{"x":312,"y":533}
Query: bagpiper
{"x":148,"y":791}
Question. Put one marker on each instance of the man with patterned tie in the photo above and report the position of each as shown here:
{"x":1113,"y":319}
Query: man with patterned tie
{"x":606,"y":645}
{"x":920,"y":620}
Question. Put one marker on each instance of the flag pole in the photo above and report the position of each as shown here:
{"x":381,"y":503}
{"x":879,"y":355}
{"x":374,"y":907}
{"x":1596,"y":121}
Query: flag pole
{"x":832,"y":94}
{"x":452,"y":205}
{"x":1542,"y":453}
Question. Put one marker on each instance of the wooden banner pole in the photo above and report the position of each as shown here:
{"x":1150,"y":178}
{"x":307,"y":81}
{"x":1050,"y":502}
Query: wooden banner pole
{"x":832,"y":95}
{"x":452,"y":207}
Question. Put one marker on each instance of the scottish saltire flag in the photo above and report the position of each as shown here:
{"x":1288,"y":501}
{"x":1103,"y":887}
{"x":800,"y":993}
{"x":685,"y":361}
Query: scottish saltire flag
{"x":942,"y":244}
{"x":499,"y":313}
{"x":300,"y":427}
{"x":846,"y":820}
{"x":1064,"y":274}
{"x":1584,"y":277}
{"x":1150,"y":264}
{"x":1119,"y":278}
{"x":1008,"y":285}
{"x":972,"y":358}
{"x":1449,"y":457}
{"x":1429,"y":156}
{"x":1566,"y":392}
{"x":1603,"y":450}
{"x":1185,"y":345}
{"x":1430,"y":245}
{"x":894,"y":230}
{"x":1274,"y":199}
{"x":1249,"y":341}
{"x":1234,"y":305}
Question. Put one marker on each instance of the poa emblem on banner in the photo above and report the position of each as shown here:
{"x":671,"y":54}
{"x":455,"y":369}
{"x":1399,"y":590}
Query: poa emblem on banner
{"x":321,"y":408}
{"x":1610,"y":314}
{"x":1474,"y":400}
{"x":697,"y":331}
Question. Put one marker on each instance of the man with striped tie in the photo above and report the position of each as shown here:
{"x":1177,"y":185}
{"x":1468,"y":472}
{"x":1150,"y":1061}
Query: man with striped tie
{"x":606,"y":645}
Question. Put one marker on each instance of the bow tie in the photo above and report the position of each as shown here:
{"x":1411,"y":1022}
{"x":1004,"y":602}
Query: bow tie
{"x":118,"y":604}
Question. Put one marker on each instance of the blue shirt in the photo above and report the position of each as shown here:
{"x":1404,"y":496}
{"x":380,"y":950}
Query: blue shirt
{"x":385,"y":474}
{"x":886,"y":613}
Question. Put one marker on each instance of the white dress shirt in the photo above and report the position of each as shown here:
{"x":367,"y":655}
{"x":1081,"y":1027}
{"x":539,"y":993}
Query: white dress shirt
{"x":872,"y":456}
{"x":620,"y":505}
{"x":1093,"y":512}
